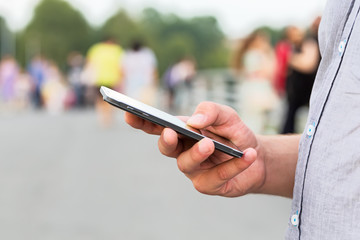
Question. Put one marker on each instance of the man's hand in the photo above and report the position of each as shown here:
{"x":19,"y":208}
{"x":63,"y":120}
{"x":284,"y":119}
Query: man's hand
{"x":212,"y":172}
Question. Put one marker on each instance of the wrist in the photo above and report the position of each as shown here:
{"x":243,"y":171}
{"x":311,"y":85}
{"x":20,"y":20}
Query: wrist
{"x":262,"y":157}
{"x":279,"y":155}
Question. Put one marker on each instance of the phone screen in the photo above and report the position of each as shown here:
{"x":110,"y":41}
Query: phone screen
{"x":159,"y":117}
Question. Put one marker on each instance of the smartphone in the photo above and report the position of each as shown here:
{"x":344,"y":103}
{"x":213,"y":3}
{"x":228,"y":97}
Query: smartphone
{"x":159,"y":117}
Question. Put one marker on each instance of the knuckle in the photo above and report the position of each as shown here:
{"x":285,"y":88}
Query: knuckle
{"x":226,"y":190}
{"x":206,"y":105}
{"x":182,"y":167}
{"x":222,"y":173}
{"x":239,"y":164}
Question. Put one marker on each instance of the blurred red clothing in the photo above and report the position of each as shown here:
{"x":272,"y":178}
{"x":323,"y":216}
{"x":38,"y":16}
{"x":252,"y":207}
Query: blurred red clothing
{"x":282,"y":52}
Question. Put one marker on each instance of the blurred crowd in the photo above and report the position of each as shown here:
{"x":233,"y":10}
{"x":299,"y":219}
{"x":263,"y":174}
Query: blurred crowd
{"x":279,"y":77}
{"x":42,"y":85}
{"x":270,"y":75}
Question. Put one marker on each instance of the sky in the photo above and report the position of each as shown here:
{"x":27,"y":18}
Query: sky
{"x":236,"y":17}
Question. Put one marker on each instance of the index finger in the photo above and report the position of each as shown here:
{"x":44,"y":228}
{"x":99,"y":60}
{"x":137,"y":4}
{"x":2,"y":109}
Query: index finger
{"x":142,"y":124}
{"x":212,"y":114}
{"x":219,"y":119}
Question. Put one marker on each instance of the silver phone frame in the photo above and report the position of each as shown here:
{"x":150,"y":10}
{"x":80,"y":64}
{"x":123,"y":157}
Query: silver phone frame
{"x":159,"y":117}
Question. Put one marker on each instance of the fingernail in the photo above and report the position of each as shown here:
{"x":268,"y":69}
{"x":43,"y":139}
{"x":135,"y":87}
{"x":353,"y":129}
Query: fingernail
{"x":247,"y":156}
{"x":196,"y":119}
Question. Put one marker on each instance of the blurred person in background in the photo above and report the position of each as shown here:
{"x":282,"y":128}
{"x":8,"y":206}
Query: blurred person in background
{"x":23,"y":87}
{"x":103,"y":62}
{"x":139,"y":69}
{"x":55,"y":92}
{"x":254,"y":61}
{"x":170,"y":86}
{"x":9,"y":72}
{"x":76,"y":63}
{"x":36,"y":69}
{"x":303,"y":63}
{"x":282,"y":52}
{"x":178,"y":81}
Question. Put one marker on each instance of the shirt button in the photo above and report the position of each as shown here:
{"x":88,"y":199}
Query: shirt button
{"x":310,"y":130}
{"x":342,"y":46}
{"x":295,"y":220}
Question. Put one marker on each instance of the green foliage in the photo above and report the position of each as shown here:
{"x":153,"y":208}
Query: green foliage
{"x":55,"y":30}
{"x":121,"y":27}
{"x":6,"y":38}
{"x":173,"y":37}
{"x":275,"y":34}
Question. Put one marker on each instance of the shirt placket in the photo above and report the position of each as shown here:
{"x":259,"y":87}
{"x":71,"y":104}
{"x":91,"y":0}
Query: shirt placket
{"x":316,"y":112}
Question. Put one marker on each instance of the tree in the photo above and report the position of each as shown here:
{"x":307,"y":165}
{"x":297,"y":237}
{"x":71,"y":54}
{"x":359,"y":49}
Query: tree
{"x":121,"y":27}
{"x":274,"y":33}
{"x":55,"y":30}
{"x":173,"y":37}
{"x":7,"y":39}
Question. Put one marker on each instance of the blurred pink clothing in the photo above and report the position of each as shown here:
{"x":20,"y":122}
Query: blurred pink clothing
{"x":8,"y":74}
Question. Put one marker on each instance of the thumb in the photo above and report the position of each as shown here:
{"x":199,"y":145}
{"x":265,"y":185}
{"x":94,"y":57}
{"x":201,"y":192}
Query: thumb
{"x":211,"y":114}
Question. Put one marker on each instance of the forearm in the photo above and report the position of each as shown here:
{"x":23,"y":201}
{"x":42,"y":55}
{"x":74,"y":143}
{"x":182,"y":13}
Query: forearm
{"x":280,"y":154}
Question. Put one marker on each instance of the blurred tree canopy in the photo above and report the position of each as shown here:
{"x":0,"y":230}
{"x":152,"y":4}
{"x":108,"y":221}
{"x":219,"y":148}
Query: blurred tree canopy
{"x":173,"y":37}
{"x":6,"y":37}
{"x":275,"y":35}
{"x":57,"y":28}
{"x":121,"y":27}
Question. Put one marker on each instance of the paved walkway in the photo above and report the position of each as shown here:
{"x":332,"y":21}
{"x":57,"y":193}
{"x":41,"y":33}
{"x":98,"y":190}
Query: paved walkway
{"x":64,"y":177}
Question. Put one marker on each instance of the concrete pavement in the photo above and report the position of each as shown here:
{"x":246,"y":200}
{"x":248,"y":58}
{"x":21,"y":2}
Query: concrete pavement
{"x":65,"y":177}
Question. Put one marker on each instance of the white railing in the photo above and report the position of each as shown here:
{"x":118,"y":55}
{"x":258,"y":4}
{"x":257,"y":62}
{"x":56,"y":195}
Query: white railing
{"x":217,"y":85}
